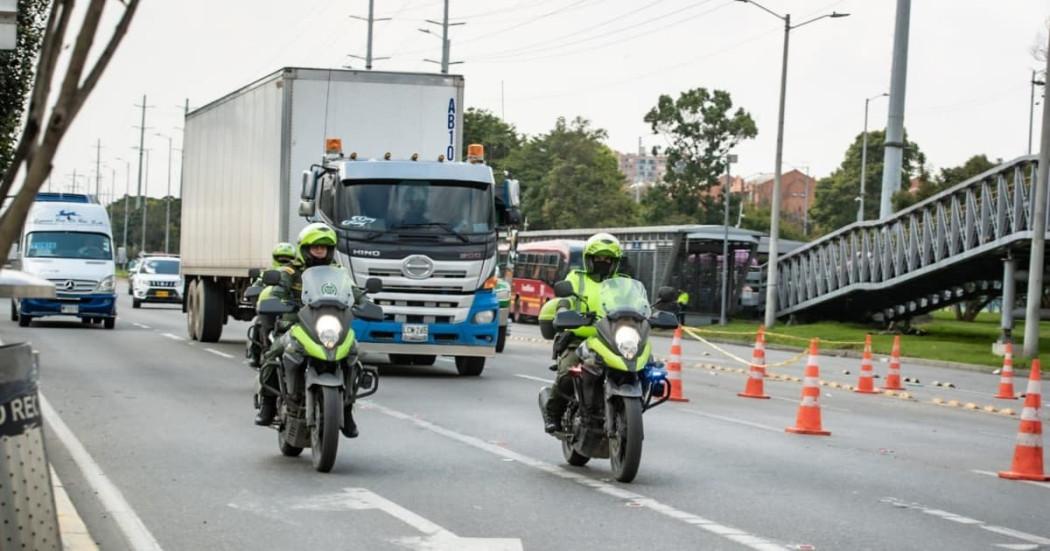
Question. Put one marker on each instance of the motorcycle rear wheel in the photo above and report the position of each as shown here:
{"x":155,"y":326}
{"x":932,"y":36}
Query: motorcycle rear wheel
{"x":625,"y":446}
{"x":324,"y":435}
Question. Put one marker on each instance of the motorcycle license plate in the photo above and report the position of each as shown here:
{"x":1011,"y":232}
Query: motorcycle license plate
{"x":70,"y":309}
{"x":162,"y":294}
{"x":415,"y":333}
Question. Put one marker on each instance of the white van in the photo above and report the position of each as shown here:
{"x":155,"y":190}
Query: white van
{"x":67,"y":239}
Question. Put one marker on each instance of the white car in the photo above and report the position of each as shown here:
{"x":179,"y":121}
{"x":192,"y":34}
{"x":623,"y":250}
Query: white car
{"x":157,"y":279}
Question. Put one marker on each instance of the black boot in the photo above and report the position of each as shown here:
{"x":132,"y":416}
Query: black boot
{"x":349,"y":426}
{"x":267,"y":410}
{"x":554,"y":411}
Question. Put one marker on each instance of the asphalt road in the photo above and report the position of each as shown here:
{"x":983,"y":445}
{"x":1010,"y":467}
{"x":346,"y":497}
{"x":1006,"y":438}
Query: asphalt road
{"x":443,"y":460}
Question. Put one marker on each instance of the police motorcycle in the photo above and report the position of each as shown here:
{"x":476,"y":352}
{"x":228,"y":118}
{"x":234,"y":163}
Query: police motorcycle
{"x":316,"y":395}
{"x":616,"y":380}
{"x":259,"y":331}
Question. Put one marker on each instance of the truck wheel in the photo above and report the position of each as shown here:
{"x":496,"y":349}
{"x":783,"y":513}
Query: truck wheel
{"x":191,"y":310}
{"x":501,"y":340}
{"x":24,"y":320}
{"x":212,"y":312}
{"x":136,"y":303}
{"x":14,"y":310}
{"x":109,"y":323}
{"x":470,"y":366}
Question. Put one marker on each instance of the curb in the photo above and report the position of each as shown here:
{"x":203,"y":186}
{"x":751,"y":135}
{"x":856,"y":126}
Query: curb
{"x":75,"y":535}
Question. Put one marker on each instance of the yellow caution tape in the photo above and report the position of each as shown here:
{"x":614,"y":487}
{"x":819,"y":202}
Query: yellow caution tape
{"x":770,"y":334}
{"x":695,"y":334}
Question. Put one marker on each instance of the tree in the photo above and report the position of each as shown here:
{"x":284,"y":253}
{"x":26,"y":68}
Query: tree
{"x":570,"y":179}
{"x":499,"y":138}
{"x":154,"y":224}
{"x":947,"y":178}
{"x":701,"y":129}
{"x":835,"y":205}
{"x":758,"y":218}
{"x":39,"y":142}
{"x":16,"y":73}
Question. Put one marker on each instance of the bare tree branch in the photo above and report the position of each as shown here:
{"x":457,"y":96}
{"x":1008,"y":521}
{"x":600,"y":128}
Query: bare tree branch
{"x":107,"y":54}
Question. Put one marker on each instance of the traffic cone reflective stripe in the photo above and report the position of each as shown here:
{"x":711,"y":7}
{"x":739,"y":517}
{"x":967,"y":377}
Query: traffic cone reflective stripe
{"x":866,"y":384}
{"x":808,"y":419}
{"x":893,"y":378}
{"x":1006,"y":378}
{"x":1028,"y":451}
{"x":755,"y":386}
{"x":674,"y":367}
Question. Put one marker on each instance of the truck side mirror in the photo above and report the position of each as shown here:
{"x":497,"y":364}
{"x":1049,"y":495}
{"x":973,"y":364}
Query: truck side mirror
{"x":309,"y":189}
{"x":307,"y":209}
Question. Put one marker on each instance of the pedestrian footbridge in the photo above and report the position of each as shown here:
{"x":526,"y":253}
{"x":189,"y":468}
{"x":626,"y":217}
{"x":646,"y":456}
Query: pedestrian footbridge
{"x":946,"y":249}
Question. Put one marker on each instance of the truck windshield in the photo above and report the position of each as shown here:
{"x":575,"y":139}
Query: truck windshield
{"x":381,"y":205}
{"x":61,"y":244}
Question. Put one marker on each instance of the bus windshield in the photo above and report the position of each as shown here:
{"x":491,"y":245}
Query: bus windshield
{"x":383,"y":205}
{"x":63,"y":244}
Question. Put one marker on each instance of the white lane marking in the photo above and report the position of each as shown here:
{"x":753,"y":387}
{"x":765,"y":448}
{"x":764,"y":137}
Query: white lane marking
{"x":218,"y":353}
{"x":435,"y":538}
{"x":172,"y":337}
{"x":140,"y":325}
{"x":1031,"y":538}
{"x":135,"y":532}
{"x":637,"y":500}
{"x":531,"y":378}
{"x":1018,"y":546}
{"x":731,"y":420}
{"x":1042,"y":485}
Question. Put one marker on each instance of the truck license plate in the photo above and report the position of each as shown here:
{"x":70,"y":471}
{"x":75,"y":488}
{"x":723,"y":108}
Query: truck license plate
{"x":70,"y":308}
{"x":415,"y":333}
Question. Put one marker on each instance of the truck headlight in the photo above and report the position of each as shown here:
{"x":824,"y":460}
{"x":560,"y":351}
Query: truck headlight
{"x":328,"y":329}
{"x":484,"y":317}
{"x":627,"y":339}
{"x":105,"y":285}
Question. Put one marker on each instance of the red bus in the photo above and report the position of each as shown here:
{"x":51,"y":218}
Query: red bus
{"x":538,"y":266}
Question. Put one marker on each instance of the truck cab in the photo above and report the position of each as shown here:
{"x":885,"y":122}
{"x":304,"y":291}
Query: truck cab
{"x":67,"y":240}
{"x":428,"y":230}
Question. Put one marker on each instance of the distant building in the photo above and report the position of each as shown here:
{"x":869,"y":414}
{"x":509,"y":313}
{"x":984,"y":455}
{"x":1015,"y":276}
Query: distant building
{"x":796,"y":193}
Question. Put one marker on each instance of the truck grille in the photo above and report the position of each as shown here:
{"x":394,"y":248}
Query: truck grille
{"x":74,"y":286}
{"x":386,"y":272}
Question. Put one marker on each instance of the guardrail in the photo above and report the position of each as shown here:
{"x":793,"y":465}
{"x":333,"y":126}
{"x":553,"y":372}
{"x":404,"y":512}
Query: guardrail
{"x":899,"y":257}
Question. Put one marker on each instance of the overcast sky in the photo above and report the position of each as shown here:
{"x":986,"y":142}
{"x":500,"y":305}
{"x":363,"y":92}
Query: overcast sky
{"x":605,"y":60}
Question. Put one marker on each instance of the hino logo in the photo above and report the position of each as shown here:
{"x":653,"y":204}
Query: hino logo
{"x":364,"y":252}
{"x":417,"y":267}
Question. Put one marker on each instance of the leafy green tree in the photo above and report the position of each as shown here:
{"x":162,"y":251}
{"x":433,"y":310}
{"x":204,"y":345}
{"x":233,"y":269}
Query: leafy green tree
{"x":835,"y":205}
{"x":700,"y":127}
{"x":758,"y":218}
{"x":155,"y":216}
{"x":570,"y":179}
{"x":498,"y":136}
{"x":947,"y":178}
{"x":17,"y":73}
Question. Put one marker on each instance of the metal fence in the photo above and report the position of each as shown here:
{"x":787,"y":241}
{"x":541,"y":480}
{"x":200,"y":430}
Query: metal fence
{"x":936,"y":252}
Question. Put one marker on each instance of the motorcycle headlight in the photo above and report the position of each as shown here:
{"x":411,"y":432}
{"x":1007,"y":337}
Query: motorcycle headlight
{"x":627,"y":339}
{"x":328,"y":328}
{"x":106,"y":284}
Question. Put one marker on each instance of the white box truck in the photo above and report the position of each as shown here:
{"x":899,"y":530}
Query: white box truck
{"x":255,"y":172}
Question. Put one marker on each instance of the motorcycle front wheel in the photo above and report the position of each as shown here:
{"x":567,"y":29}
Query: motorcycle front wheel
{"x":324,"y":435}
{"x":570,"y":455}
{"x":625,"y":444}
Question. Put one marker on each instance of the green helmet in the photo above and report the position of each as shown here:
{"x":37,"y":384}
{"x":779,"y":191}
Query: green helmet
{"x":317,"y":234}
{"x":602,"y":254}
{"x":283,"y":254}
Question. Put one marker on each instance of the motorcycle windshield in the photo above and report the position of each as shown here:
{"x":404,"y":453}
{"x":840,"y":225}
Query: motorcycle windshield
{"x":624,"y":296}
{"x":328,"y":284}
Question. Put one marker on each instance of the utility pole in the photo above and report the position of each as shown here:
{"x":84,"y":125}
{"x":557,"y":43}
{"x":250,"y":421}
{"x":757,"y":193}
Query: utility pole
{"x":98,"y":168}
{"x":864,"y":159}
{"x":127,"y":199}
{"x":727,"y":194}
{"x":1036,"y":261}
{"x":1031,"y":107}
{"x":371,"y":20}
{"x":167,"y":199}
{"x":893,"y":158}
{"x":74,"y":181}
{"x":446,"y":45}
{"x":142,"y":144}
{"x":145,"y":204}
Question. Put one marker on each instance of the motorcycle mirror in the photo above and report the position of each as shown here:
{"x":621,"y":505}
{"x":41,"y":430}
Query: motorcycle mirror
{"x":274,"y":307}
{"x":374,"y":285}
{"x":663,"y":320}
{"x":666,"y":294}
{"x":563,"y":289}
{"x":252,"y":293}
{"x":369,"y":311}
{"x":271,"y":277}
{"x":569,"y":319}
{"x":253,"y":274}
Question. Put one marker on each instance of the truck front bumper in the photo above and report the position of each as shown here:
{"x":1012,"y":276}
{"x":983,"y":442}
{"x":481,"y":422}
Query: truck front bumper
{"x":87,"y":306}
{"x":449,"y":339}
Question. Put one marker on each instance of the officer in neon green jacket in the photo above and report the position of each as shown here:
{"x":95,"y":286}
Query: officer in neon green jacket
{"x":601,"y":260}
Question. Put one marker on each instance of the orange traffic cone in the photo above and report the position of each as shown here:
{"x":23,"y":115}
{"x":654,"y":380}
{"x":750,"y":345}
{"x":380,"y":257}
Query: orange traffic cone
{"x":1006,"y":377}
{"x":866,"y":384}
{"x":808,"y":420}
{"x":674,"y":367}
{"x":755,"y":387}
{"x":1028,"y":453}
{"x":893,"y":378}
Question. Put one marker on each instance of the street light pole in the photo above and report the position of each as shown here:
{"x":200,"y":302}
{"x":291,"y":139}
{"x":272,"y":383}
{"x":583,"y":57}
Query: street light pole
{"x":864,"y":158}
{"x":893,"y":145}
{"x":167,"y":199}
{"x":1031,"y":108}
{"x":726,"y":195}
{"x":1036,"y":263}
